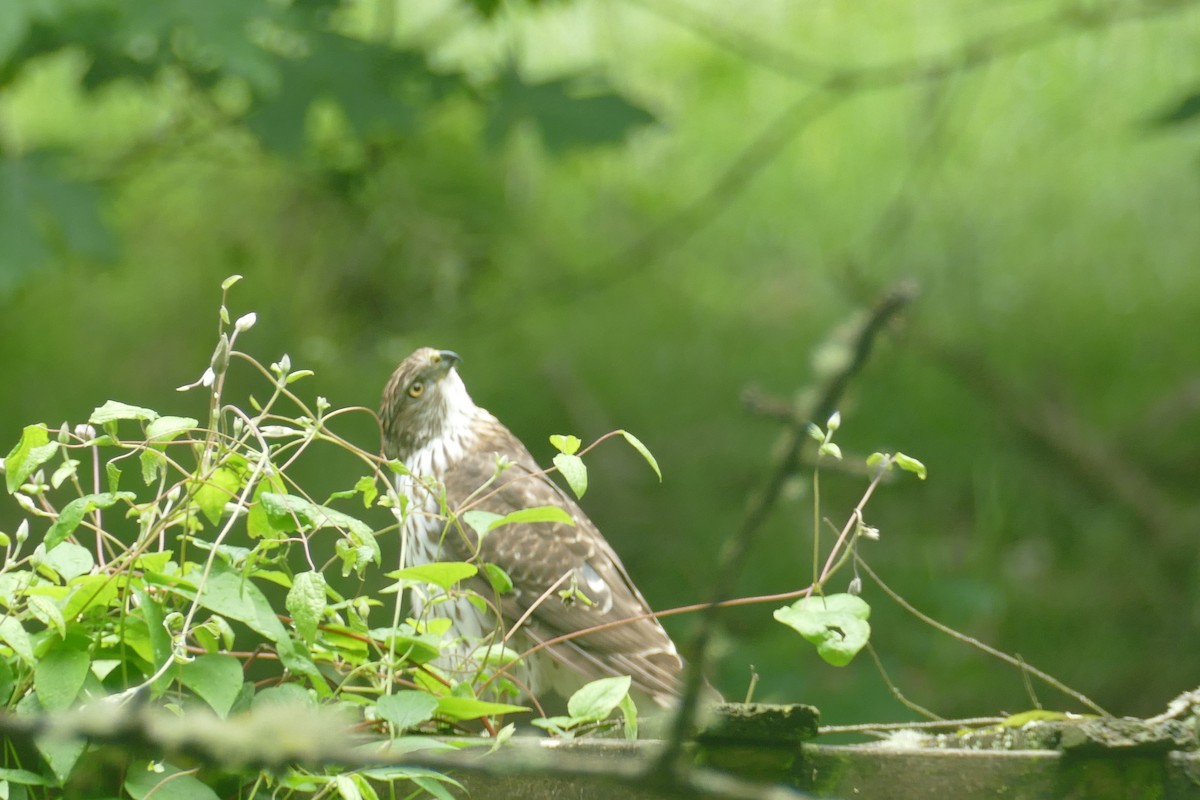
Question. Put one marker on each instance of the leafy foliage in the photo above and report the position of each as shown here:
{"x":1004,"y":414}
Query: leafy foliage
{"x":837,"y":624}
{"x":293,"y":75}
{"x":569,"y":459}
{"x":565,"y":114}
{"x":163,"y":584}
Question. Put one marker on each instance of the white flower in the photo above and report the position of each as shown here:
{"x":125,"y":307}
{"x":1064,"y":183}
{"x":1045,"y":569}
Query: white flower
{"x":245,"y":322}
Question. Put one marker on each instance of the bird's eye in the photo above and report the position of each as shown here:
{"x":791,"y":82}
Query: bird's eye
{"x":416,"y":389}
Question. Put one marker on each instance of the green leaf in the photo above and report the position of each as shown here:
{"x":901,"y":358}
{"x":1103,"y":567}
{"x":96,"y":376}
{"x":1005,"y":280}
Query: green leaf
{"x":24,"y":777}
{"x":220,"y":357}
{"x":567,"y":114}
{"x":573,"y":469}
{"x":216,"y":679}
{"x":162,"y":781}
{"x":357,"y":551}
{"x":69,"y":560}
{"x":258,"y":522}
{"x":289,"y":513}
{"x":113,"y":411}
{"x":15,"y":636}
{"x":61,"y":754}
{"x":230,"y":595}
{"x":636,"y":444}
{"x":630,"y":712}
{"x":156,"y":646}
{"x":59,"y":676}
{"x":153,"y":464}
{"x":836,"y":624}
{"x":441,"y":573}
{"x":558,"y":725}
{"x":88,"y":591}
{"x":566,"y":444}
{"x":34,"y":449}
{"x":370,"y":491}
{"x":417,"y":648}
{"x":498,"y":578}
{"x":218,"y":489}
{"x":285,"y":695}
{"x":830,"y":449}
{"x":553,"y":514}
{"x":113,"y":473}
{"x":480,"y":521}
{"x":306,"y":603}
{"x":596,"y":700}
{"x":165,"y":429}
{"x":1185,"y":109}
{"x":364,"y":486}
{"x":406,"y":709}
{"x":379,"y":90}
{"x":464,"y":708}
{"x":350,"y":787}
{"x":228,"y":283}
{"x":47,"y":612}
{"x":65,"y":470}
{"x":73,"y":513}
{"x":431,"y":782}
{"x":910,"y":464}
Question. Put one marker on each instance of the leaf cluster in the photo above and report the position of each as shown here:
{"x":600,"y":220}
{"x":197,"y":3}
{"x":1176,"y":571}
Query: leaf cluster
{"x":837,"y":624}
{"x":307,"y":81}
{"x":152,"y":558}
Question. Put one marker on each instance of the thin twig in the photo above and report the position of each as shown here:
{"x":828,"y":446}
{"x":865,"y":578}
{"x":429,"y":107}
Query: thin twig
{"x":978,"y":645}
{"x":1033,"y":698}
{"x":895,"y":690}
{"x":534,"y":606}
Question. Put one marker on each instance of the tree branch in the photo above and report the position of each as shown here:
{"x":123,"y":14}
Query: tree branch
{"x":279,"y":737}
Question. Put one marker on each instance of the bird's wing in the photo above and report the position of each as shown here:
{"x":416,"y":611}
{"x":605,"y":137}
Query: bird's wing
{"x":538,"y":555}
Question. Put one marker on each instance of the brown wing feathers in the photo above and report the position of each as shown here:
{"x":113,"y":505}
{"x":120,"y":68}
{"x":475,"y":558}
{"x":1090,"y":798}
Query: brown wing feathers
{"x":537,"y":555}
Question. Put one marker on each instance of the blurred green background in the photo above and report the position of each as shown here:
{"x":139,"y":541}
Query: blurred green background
{"x":626,"y":213}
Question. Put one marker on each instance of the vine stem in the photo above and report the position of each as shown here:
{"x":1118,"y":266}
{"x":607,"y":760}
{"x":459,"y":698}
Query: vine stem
{"x":194,"y":607}
{"x":1020,"y":664}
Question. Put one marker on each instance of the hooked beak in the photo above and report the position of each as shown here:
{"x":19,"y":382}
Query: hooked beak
{"x":445,"y":360}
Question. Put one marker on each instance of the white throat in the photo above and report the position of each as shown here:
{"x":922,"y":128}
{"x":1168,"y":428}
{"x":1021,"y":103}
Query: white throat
{"x":424,"y":524}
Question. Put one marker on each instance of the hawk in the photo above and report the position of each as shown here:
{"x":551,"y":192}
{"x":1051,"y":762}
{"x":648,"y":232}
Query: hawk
{"x":565,"y":578}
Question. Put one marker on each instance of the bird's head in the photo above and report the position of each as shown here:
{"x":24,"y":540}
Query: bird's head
{"x":424,"y":396}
